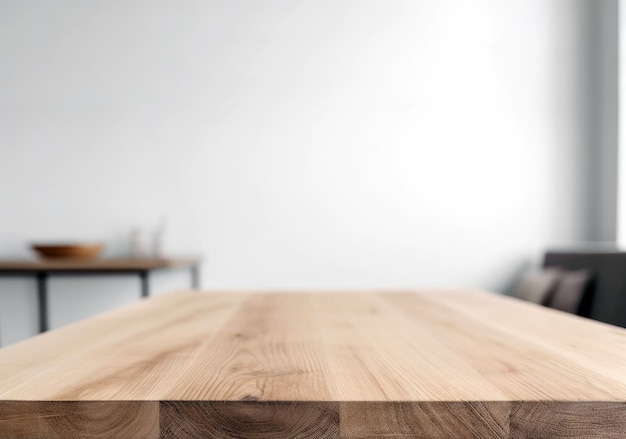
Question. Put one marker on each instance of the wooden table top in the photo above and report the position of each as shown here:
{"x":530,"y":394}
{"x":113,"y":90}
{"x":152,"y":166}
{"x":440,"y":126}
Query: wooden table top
{"x":448,"y":364}
{"x":120,"y":264}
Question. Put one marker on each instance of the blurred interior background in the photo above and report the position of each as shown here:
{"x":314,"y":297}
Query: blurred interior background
{"x":306,"y":144}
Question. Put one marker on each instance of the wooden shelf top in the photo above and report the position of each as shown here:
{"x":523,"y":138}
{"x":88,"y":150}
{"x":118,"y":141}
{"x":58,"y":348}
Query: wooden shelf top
{"x":121,"y":264}
{"x":352,"y":365}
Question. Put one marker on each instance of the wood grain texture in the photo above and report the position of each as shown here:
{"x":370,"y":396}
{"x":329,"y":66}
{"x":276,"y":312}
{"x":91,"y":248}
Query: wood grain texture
{"x":433,"y":420}
{"x":249,"y":420}
{"x":405,"y":365}
{"x":79,"y":419}
{"x":568,"y":420}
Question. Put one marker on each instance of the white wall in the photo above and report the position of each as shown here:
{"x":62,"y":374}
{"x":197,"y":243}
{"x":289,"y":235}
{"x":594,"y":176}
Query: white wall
{"x":603,"y":113}
{"x":325,"y":143}
{"x":621,"y":157}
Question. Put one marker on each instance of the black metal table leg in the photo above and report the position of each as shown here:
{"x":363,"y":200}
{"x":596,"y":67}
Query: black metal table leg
{"x":195,"y":276}
{"x":145,"y":287}
{"x":42,"y":293}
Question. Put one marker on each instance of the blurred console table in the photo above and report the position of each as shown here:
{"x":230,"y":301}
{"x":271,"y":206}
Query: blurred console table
{"x":42,"y":269}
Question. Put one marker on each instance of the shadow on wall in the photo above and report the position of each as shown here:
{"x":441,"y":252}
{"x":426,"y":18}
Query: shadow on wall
{"x":513,"y":280}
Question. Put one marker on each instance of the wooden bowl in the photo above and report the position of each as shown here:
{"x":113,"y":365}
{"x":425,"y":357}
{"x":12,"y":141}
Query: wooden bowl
{"x":68,"y":251}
